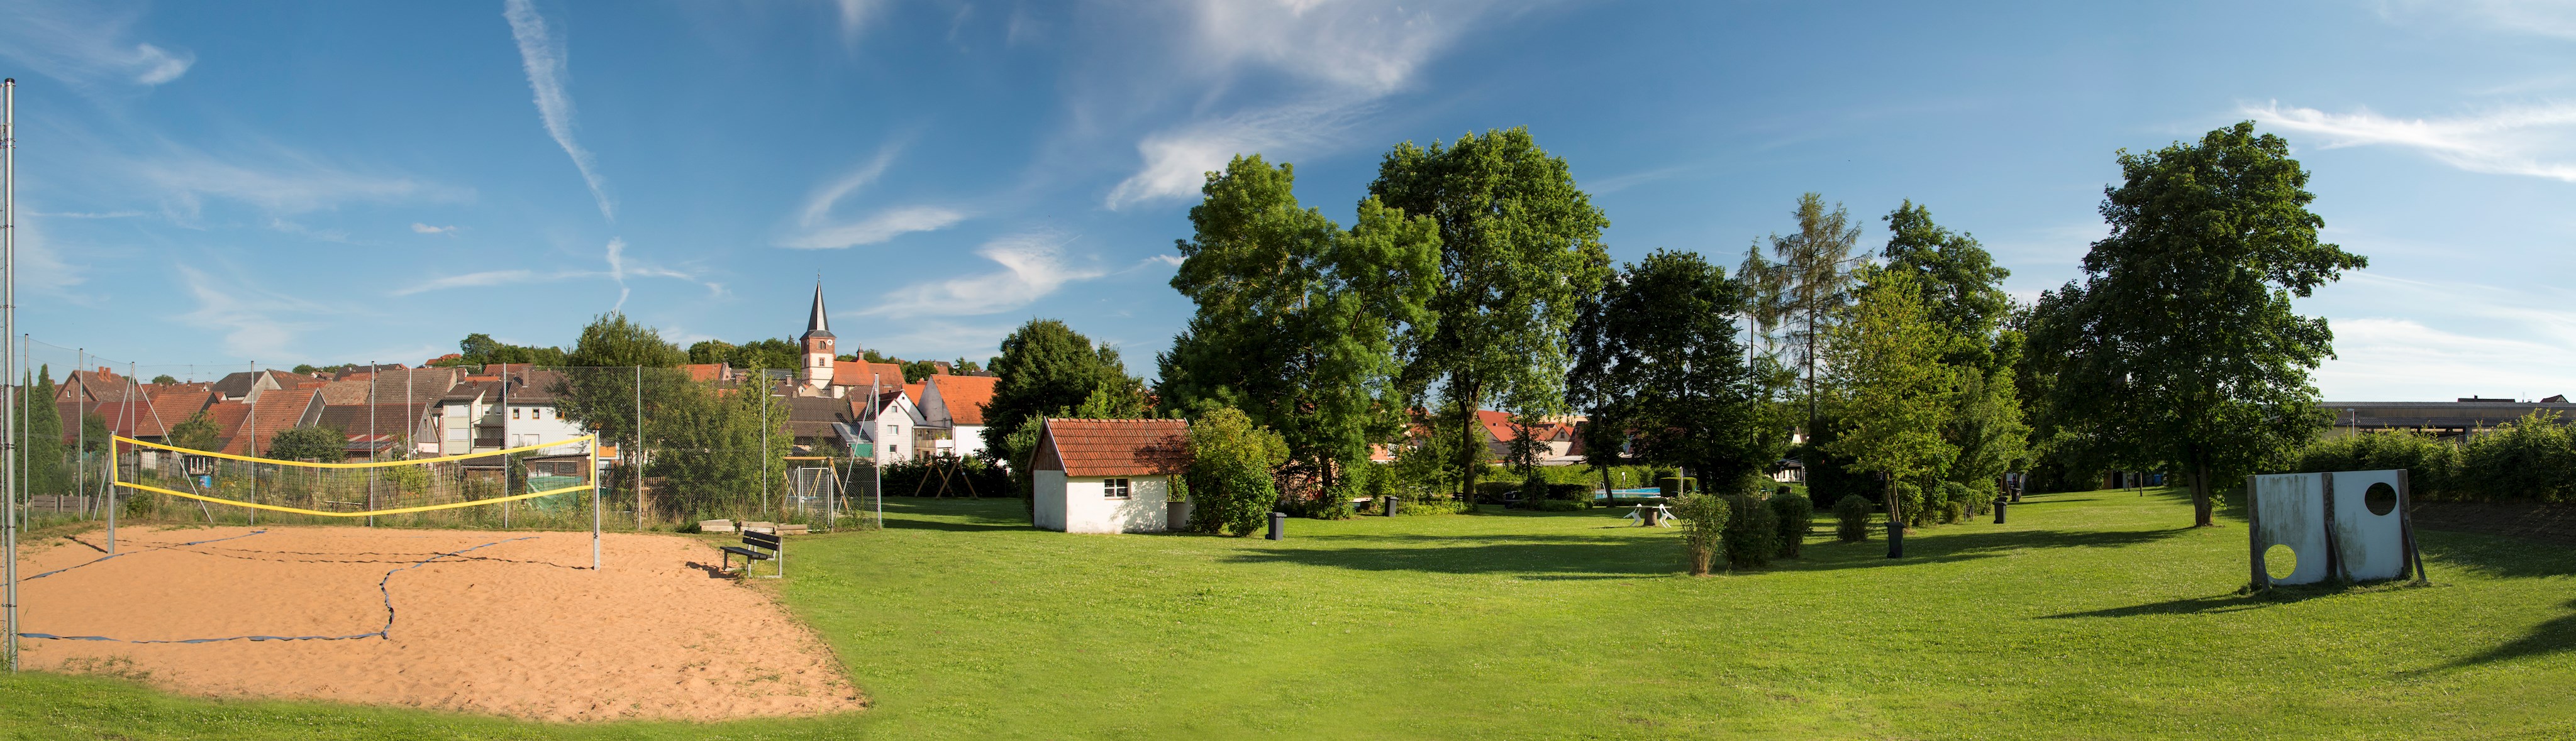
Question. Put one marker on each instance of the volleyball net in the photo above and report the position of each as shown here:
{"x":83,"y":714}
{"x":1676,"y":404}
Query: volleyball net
{"x":532,"y":484}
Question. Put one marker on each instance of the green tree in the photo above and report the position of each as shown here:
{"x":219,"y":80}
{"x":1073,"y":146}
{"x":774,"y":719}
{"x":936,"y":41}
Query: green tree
{"x":198,"y":432}
{"x":1046,"y":369}
{"x":46,"y":463}
{"x":1886,"y":359}
{"x":94,"y":432}
{"x":1298,"y":321}
{"x":1656,"y":358}
{"x":712,"y":449}
{"x":1520,"y":246}
{"x":164,"y":379}
{"x":1964,"y":298}
{"x":309,"y":443}
{"x":2180,"y":343}
{"x":625,"y":386}
{"x":1811,"y":285}
{"x":1229,"y":477}
{"x":709,"y":352}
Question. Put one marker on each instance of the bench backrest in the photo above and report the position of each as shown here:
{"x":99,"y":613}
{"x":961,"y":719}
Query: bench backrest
{"x":761,"y":540}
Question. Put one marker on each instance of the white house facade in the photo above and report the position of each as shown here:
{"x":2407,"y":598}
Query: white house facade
{"x":1108,"y":475}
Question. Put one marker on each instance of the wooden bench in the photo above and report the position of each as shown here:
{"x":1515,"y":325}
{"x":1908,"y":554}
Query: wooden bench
{"x":753,"y":545}
{"x":715,"y":526}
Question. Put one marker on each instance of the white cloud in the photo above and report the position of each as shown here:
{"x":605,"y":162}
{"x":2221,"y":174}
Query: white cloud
{"x":420,"y":228}
{"x":1032,"y":267}
{"x":280,"y":182}
{"x":2538,"y":141}
{"x":1348,"y":54}
{"x":817,"y":230}
{"x":470,"y":280}
{"x":87,"y":45}
{"x":543,"y":56}
{"x":255,"y":322}
{"x":883,"y":226}
{"x":2555,"y":18}
{"x":855,"y":15}
{"x":2456,"y":339}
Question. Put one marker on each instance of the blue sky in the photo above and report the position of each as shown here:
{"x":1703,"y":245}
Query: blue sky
{"x":220,"y":184}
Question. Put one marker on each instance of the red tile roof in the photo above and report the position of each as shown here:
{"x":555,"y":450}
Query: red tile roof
{"x":857,"y":373}
{"x":277,"y":411}
{"x":703,"y":372}
{"x":1114,"y":447}
{"x":966,"y":396}
{"x":228,"y":417}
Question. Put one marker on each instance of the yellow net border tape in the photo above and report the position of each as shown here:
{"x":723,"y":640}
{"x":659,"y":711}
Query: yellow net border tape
{"x":369,"y":513}
{"x":376,"y":464}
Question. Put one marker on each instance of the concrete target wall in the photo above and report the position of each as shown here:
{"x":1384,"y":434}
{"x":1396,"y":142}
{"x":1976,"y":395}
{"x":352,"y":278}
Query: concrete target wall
{"x":2289,"y":509}
{"x":2371,"y":544}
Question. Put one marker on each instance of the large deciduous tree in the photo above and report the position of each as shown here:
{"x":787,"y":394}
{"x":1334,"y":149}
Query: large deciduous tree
{"x":1963,"y":297}
{"x":1049,"y":370}
{"x":1298,"y":322}
{"x":2180,"y":343}
{"x":1886,"y":361}
{"x":1656,"y":358}
{"x":1520,"y":246}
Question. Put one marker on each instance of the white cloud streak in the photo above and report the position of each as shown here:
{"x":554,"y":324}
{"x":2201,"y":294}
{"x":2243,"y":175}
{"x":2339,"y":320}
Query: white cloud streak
{"x":1349,"y":54}
{"x":817,"y":230}
{"x":855,"y":15}
{"x":1032,"y":267}
{"x":2460,"y":339}
{"x":2536,"y":141}
{"x":878,"y":228}
{"x":255,"y":322}
{"x":421,"y":228}
{"x":282,"y":182}
{"x":544,"y":57}
{"x":470,"y":280}
{"x":87,"y":46}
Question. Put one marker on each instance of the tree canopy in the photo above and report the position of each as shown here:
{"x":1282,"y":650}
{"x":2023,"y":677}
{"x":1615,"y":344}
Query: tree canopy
{"x":1520,"y":246}
{"x":1656,"y":359}
{"x":2179,"y":345}
{"x":1047,"y":369}
{"x":1298,"y":322}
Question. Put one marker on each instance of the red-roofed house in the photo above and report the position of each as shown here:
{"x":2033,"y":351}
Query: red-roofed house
{"x":956,"y":404}
{"x":1109,"y":475}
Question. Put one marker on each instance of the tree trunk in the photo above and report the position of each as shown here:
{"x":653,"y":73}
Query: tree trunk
{"x":1469,"y":447}
{"x":2203,"y":510}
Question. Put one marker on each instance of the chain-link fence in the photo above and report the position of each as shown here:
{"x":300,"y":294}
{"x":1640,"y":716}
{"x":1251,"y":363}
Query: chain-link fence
{"x":674,"y":446}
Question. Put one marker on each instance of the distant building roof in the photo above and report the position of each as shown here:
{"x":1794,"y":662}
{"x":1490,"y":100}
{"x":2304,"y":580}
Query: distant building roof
{"x":1114,"y":447}
{"x":965,"y":396}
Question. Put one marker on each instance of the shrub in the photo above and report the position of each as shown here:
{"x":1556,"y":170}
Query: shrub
{"x":1704,"y":518}
{"x":2530,"y":458}
{"x":1555,"y":505}
{"x":1442,"y":506}
{"x":1954,"y":501}
{"x":1752,"y":532}
{"x":1851,"y":518}
{"x":1795,"y":517}
{"x":1495,"y":491}
{"x":1229,"y":475}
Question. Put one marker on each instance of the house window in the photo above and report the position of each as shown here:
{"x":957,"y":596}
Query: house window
{"x":1116,"y":489}
{"x":514,"y":413}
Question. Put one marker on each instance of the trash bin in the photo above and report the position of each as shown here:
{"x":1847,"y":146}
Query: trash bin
{"x":1386,"y":506}
{"x":1999,"y":508}
{"x":1278,"y":520}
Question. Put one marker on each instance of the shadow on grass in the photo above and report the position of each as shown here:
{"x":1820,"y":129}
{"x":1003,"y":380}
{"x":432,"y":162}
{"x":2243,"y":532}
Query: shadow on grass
{"x":2547,"y":638}
{"x":2210,"y":605}
{"x":955,"y":514}
{"x":2494,"y":555}
{"x":1624,"y":558}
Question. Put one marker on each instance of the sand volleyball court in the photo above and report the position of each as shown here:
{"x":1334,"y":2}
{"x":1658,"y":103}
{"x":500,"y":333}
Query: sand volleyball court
{"x":508,"y":623}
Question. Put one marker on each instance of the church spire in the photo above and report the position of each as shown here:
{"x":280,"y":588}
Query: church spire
{"x":818,"y":322}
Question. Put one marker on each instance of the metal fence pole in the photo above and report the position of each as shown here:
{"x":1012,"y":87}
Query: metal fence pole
{"x":9,"y":326}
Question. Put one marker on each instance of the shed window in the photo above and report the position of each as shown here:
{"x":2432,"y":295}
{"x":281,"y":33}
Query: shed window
{"x":1116,"y":489}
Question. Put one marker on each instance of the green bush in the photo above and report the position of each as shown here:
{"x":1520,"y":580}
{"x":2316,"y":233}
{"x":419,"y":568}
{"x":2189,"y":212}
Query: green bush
{"x":1912,"y":498}
{"x":1851,"y":518}
{"x":1495,"y":491}
{"x":1704,"y":524}
{"x":1556,"y":505}
{"x":2432,"y":466}
{"x":2530,"y":458}
{"x":1752,"y":532}
{"x":1570,"y":492}
{"x":1954,"y":502}
{"x":1229,"y":476}
{"x":1795,"y":517}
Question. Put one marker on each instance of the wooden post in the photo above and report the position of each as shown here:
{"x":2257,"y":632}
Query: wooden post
{"x":2406,"y":525}
{"x":2254,"y":536}
{"x":2334,"y":559}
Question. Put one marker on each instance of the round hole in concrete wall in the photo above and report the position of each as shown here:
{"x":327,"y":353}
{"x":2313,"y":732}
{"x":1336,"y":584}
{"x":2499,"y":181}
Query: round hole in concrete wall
{"x":2380,"y":498}
{"x":2280,"y":561}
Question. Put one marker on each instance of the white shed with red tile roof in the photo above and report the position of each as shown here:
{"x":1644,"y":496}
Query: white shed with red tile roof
{"x":1108,"y":475}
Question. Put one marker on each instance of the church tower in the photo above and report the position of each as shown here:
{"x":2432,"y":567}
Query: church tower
{"x":818,"y":344}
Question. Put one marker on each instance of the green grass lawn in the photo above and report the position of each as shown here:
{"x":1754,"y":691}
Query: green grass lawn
{"x":2092,"y":615}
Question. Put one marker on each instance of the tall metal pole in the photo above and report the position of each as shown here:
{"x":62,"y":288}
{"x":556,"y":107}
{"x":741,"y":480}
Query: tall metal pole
{"x":505,"y":445}
{"x":8,"y":365}
{"x":371,"y":441}
{"x":594,"y":503}
{"x":635,"y":449}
